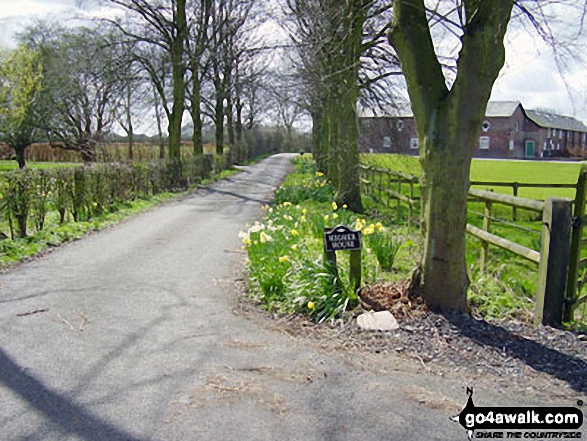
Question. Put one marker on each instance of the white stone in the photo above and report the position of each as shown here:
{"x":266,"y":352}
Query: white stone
{"x":377,"y":321}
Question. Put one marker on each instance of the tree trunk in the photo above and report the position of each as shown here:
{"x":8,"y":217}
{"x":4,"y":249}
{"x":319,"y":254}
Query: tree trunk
{"x":178,"y":74}
{"x":159,"y":125}
{"x":344,"y":124}
{"x":319,"y":139}
{"x":20,"y":158}
{"x":448,"y":121}
{"x":442,"y":277}
{"x":197,"y":121}
{"x":219,"y":114}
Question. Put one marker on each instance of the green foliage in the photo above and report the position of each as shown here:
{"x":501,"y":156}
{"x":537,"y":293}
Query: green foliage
{"x":503,"y":292}
{"x":32,"y":197}
{"x":21,"y":82}
{"x":305,"y":186}
{"x":385,"y":245}
{"x":287,"y":272}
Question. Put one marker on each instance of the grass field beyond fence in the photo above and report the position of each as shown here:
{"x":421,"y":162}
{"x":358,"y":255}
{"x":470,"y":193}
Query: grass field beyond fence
{"x":507,"y":285}
{"x":528,"y":172}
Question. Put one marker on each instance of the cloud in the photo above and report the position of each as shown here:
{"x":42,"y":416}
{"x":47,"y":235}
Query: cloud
{"x":531,"y":75}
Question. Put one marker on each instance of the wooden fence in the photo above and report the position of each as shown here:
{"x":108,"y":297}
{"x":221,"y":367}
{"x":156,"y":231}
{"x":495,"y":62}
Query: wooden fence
{"x":562,"y":271}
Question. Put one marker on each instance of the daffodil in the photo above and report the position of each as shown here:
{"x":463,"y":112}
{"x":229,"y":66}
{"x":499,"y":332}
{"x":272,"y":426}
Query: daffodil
{"x":283,"y":259}
{"x":303,"y":219}
{"x":311,"y":305}
{"x":345,"y":206}
{"x":334,"y":206}
{"x":294,"y":232}
{"x":326,"y":217}
{"x":264,"y":237}
{"x":369,"y":230}
{"x":319,"y":174}
{"x":286,"y":204}
{"x":334,"y":216}
{"x":294,"y":247}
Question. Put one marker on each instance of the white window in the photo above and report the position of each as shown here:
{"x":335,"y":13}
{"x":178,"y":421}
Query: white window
{"x":386,"y":142}
{"x":511,"y":144}
{"x":400,"y":125}
{"x":517,"y":126}
{"x":414,"y":143}
{"x":554,"y":133}
{"x":484,"y":142}
{"x":485,"y":126}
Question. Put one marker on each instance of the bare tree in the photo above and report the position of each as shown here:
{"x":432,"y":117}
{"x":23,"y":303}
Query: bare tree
{"x":79,"y":98}
{"x":163,"y":24}
{"x":340,"y":48}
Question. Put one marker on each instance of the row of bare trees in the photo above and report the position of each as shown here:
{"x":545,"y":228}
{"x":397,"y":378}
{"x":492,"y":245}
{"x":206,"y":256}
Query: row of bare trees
{"x":158,"y":59}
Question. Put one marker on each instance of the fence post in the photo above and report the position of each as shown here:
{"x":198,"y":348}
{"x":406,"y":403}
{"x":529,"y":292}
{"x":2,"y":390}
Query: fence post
{"x":554,"y":262}
{"x":515,"y":187}
{"x":485,"y":245}
{"x":380,"y":186}
{"x":399,"y":202}
{"x":575,"y":253}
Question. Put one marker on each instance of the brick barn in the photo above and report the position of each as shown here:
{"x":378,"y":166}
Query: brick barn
{"x":508,"y":131}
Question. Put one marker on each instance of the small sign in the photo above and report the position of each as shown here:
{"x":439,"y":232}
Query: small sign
{"x":342,"y":238}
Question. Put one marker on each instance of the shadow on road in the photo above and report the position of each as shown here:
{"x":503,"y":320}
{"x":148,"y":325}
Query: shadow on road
{"x":236,"y":195}
{"x":68,"y":416}
{"x":565,"y":367}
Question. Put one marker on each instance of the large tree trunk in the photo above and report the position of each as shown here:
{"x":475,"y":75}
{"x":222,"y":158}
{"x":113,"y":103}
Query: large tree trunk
{"x":178,"y":74}
{"x":219,"y":115}
{"x":442,"y":276}
{"x":448,"y":121}
{"x":197,"y":121}
{"x":341,"y":123}
{"x":20,"y":158}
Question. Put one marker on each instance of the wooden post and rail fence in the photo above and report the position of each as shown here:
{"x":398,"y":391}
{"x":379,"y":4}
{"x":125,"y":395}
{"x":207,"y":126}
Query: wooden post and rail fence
{"x":559,"y":259}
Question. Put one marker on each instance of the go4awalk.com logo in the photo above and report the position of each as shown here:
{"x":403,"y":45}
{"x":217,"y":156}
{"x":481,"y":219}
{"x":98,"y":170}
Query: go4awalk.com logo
{"x":536,"y":423}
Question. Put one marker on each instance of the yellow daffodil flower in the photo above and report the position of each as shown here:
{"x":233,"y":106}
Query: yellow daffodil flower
{"x":311,"y":305}
{"x":283,"y":259}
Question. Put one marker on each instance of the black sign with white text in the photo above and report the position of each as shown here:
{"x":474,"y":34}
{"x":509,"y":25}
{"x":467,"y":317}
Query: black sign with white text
{"x":342,"y":238}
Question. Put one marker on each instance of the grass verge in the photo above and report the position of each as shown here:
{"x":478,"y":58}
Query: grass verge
{"x":54,"y":234}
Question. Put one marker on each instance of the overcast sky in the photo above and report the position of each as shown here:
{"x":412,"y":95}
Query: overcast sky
{"x":530,"y":74}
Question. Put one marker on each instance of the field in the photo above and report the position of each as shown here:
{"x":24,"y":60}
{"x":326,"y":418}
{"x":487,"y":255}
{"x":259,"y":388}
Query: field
{"x":529,"y":172}
{"x":12,"y":165}
{"x":108,"y":152}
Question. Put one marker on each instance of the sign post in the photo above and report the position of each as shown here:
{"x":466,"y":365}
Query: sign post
{"x":342,"y":238}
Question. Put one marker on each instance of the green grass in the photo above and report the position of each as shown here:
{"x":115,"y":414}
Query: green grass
{"x":532,"y":172}
{"x":55,"y":234}
{"x":12,"y":165}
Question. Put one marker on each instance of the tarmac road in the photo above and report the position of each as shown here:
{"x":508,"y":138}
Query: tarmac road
{"x":129,"y":334}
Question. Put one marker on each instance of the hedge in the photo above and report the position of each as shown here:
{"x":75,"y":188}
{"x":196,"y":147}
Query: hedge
{"x":80,"y":193}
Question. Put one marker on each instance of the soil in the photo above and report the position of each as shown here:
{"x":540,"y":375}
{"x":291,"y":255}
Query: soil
{"x":514,"y":354}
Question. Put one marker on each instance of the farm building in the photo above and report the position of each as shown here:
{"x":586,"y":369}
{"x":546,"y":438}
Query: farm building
{"x":508,"y":131}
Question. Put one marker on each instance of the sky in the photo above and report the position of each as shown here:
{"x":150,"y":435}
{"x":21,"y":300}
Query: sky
{"x":530,"y":74}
